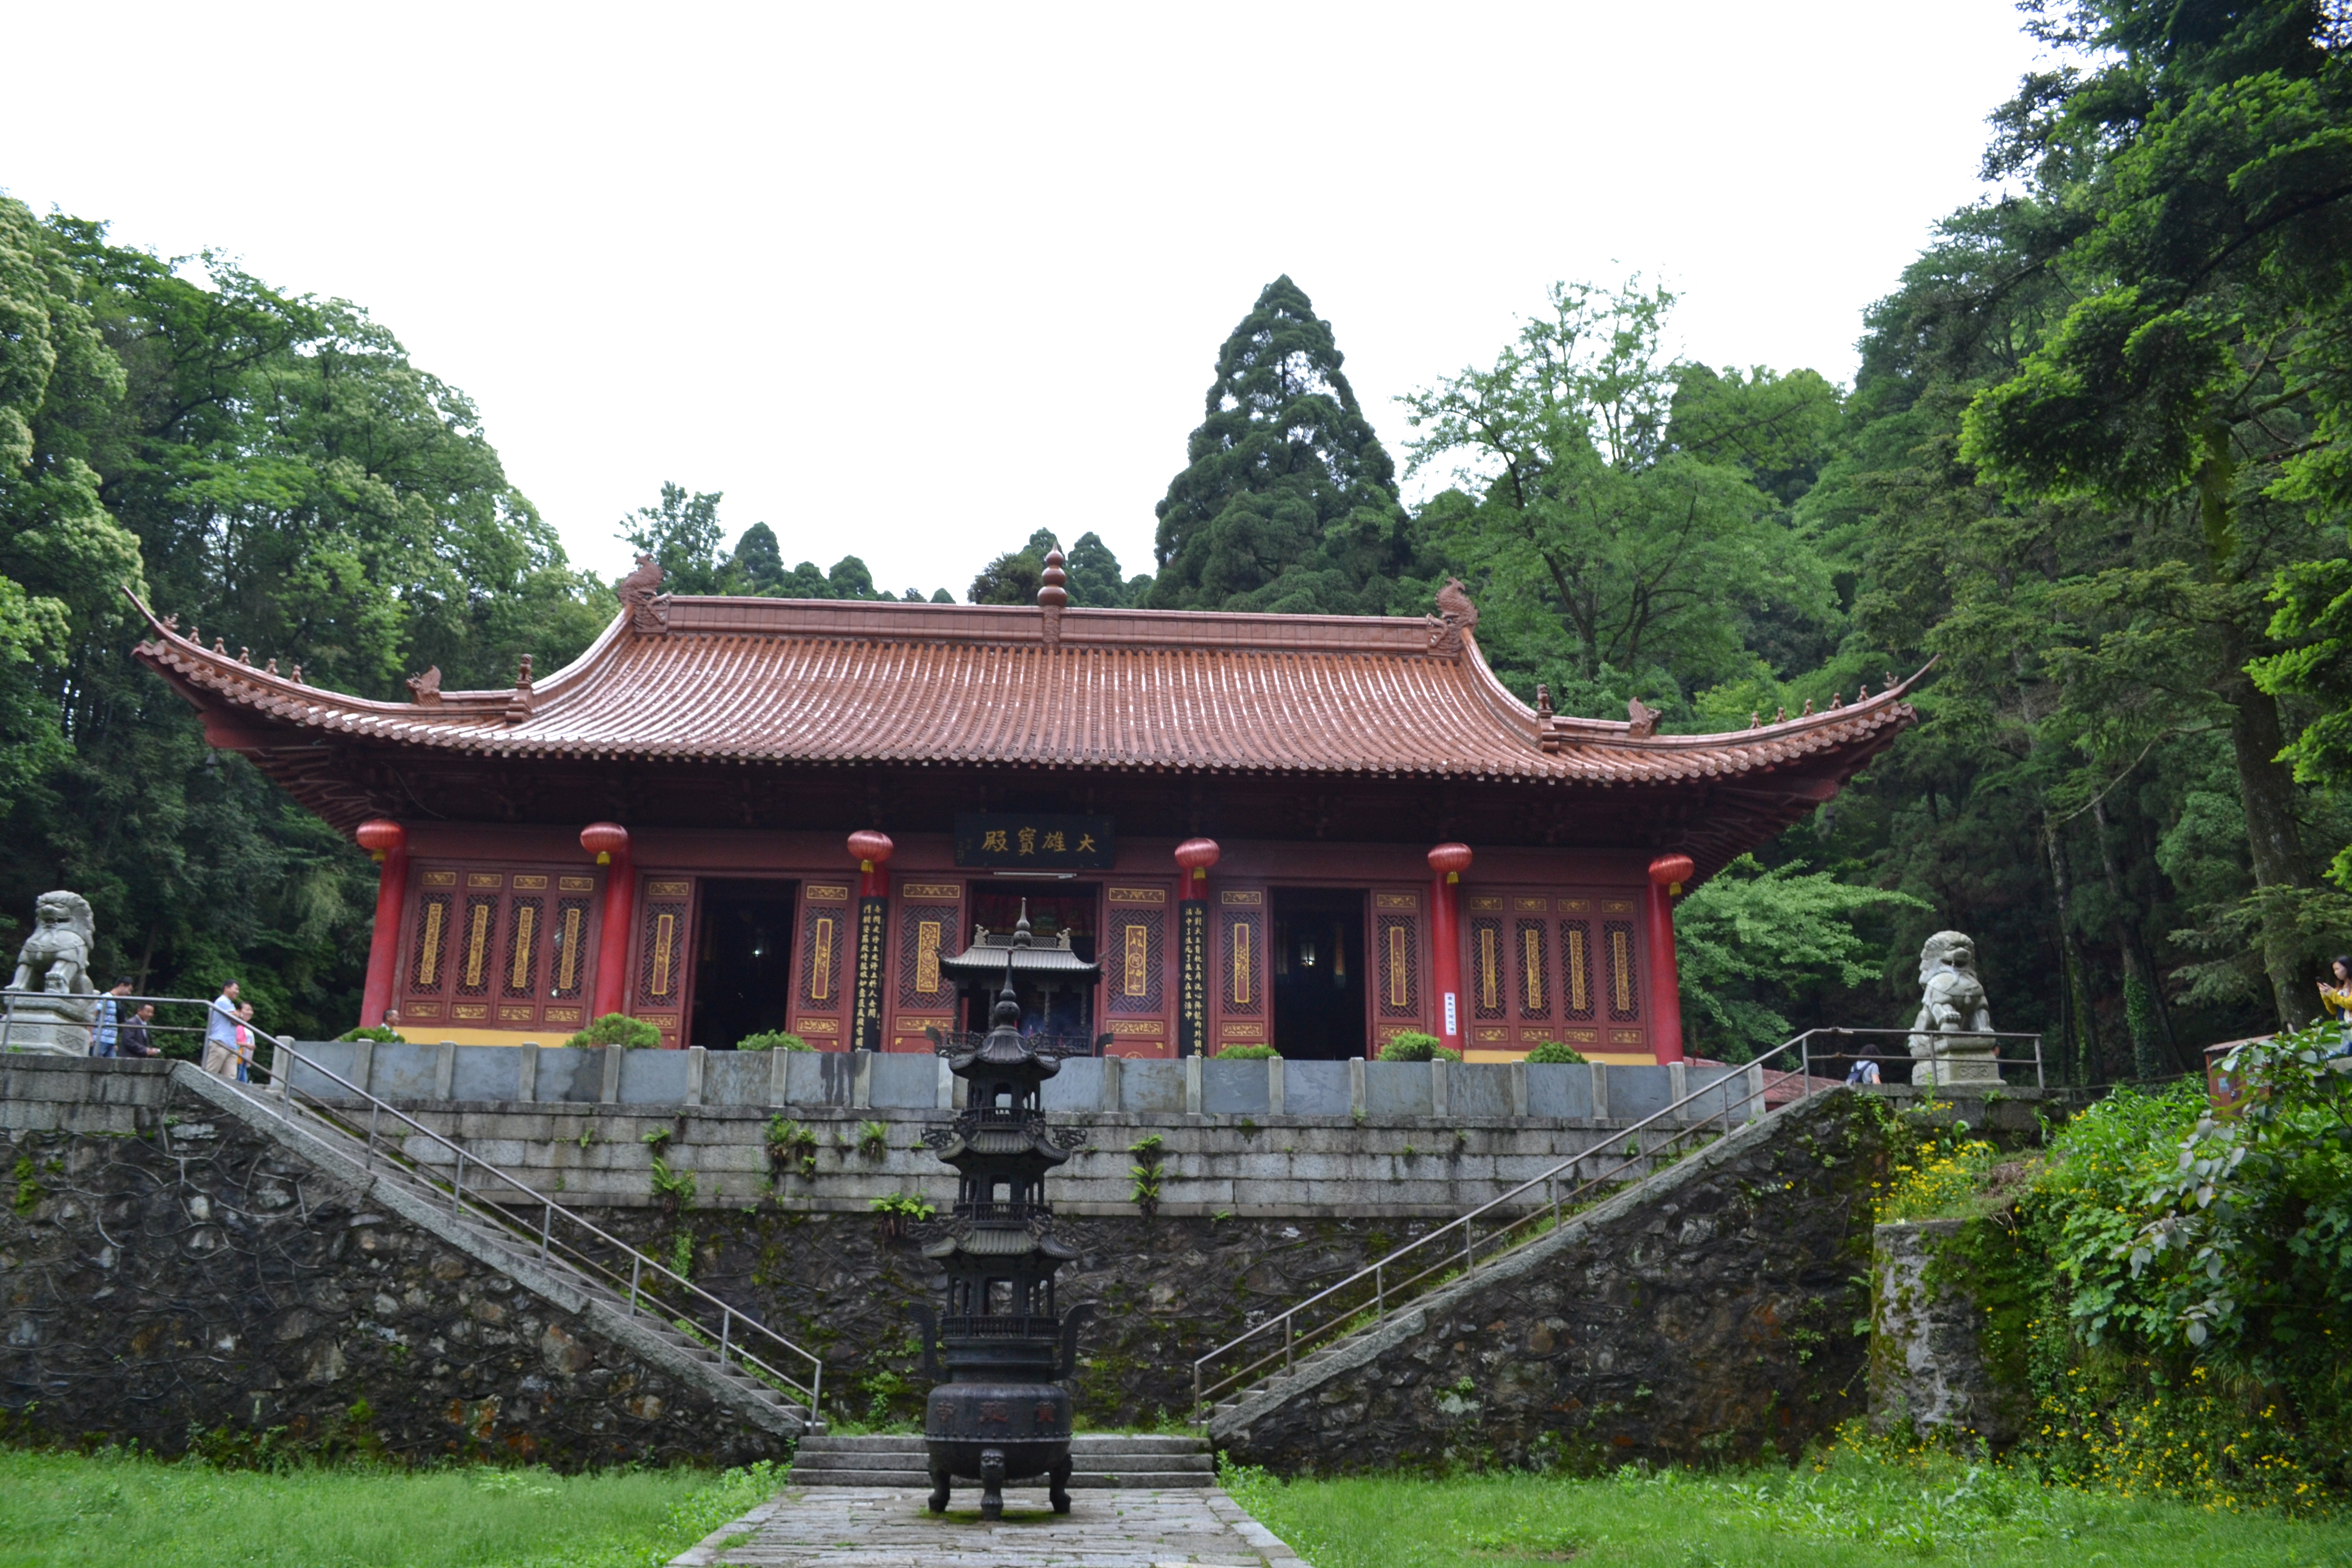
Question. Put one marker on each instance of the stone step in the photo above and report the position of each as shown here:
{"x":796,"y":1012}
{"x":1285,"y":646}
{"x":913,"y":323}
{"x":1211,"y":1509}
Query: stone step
{"x":1084,"y":1447}
{"x":918,"y":1463}
{"x":1080,"y":1481}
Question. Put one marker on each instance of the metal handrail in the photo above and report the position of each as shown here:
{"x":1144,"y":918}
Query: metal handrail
{"x":650,"y":1284}
{"x":1462,"y":1250}
{"x":11,"y":994}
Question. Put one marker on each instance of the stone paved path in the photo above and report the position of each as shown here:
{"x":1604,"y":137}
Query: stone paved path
{"x":873,"y":1527}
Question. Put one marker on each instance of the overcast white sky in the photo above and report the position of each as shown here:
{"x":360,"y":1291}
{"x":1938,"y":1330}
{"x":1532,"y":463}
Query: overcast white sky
{"x":910,"y":282}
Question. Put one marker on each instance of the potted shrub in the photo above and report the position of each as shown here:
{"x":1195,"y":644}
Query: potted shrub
{"x":1553,"y":1051}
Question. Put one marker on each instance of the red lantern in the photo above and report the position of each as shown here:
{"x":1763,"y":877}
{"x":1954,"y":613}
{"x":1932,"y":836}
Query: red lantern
{"x":1196,"y":856}
{"x":380,"y":837}
{"x":1449,"y":860}
{"x":1671,"y":871}
{"x":870,"y":848}
{"x":605,"y":840}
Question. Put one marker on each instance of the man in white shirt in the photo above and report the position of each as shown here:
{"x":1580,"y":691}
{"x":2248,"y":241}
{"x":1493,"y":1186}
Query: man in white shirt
{"x":220,"y":1034}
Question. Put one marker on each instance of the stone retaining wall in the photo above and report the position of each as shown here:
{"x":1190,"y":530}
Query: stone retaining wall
{"x":1707,"y":1317}
{"x":166,"y":1270}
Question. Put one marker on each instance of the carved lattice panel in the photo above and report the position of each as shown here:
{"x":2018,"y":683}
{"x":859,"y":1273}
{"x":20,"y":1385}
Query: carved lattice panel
{"x":826,"y":936}
{"x":1134,"y":961}
{"x":662,"y":952}
{"x":477,"y":957}
{"x":569,"y":953}
{"x":428,"y":953}
{"x":1241,"y":954}
{"x":1531,"y":958}
{"x":1576,"y":969}
{"x":526,"y":937}
{"x":1623,"y":979}
{"x":926,"y":933}
{"x":1396,"y":964}
{"x":1490,"y":982}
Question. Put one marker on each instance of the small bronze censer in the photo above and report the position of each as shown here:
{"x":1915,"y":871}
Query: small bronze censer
{"x":1001,"y":1415}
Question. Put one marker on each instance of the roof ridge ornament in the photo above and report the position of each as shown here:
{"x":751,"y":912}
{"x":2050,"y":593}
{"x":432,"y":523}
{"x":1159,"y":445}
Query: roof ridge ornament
{"x":1644,"y":719}
{"x":642,"y":599}
{"x":519,"y":706}
{"x":1456,"y":616}
{"x":1051,"y":597}
{"x":424,"y":690}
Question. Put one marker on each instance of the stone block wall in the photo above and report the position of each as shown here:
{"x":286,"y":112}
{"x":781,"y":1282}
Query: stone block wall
{"x":1707,"y":1318}
{"x":167,"y":1271}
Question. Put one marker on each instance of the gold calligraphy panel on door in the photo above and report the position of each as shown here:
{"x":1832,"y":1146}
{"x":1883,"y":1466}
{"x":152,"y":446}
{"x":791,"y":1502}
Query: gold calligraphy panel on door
{"x":926,"y":933}
{"x":1396,"y":964}
{"x":662,"y":948}
{"x":1576,"y":969}
{"x":1241,"y":956}
{"x":1488,"y":988}
{"x":1135,"y":958}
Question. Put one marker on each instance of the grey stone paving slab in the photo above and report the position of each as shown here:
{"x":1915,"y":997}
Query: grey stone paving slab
{"x":869,"y":1527}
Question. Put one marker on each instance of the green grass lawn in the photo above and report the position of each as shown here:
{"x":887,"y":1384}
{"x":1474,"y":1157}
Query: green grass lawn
{"x":58,"y":1510}
{"x":1856,"y":1512}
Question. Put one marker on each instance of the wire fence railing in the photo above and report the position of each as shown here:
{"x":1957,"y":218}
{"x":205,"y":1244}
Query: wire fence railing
{"x":1782,"y":1075}
{"x":341,"y":1113}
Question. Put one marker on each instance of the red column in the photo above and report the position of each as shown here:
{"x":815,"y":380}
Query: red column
{"x":609,"y":842}
{"x":1448,"y":861}
{"x":1667,"y":874}
{"x":387,"y":842}
{"x":1194,"y":858}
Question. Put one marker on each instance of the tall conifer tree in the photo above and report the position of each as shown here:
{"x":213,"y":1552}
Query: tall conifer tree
{"x":1288,"y":500}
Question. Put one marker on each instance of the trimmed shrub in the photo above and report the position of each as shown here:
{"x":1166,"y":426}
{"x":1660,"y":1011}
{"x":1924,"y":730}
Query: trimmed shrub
{"x":618,"y":1029}
{"x":1553,"y":1051}
{"x":1411,"y":1046}
{"x":1247,"y":1054}
{"x":772,"y":1040}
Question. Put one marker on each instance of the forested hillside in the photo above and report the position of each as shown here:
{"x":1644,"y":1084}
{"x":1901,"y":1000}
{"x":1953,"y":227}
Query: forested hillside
{"x":2092,"y":463}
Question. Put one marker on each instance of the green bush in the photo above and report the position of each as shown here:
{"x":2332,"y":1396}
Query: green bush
{"x":376,"y":1032}
{"x":1553,"y":1051}
{"x":618,"y":1029}
{"x":1411,"y":1046}
{"x":772,"y":1040}
{"x":1247,"y":1054}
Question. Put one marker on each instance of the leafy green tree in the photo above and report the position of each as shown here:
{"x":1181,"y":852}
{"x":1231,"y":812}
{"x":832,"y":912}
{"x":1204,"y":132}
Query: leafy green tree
{"x":2199,"y":186}
{"x":1581,"y":502}
{"x":1014,"y":577}
{"x":682,"y":535}
{"x":1749,"y":937}
{"x":1090,"y":567}
{"x":758,"y":564}
{"x":1288,"y":500}
{"x":58,"y":383}
{"x":283,"y":479}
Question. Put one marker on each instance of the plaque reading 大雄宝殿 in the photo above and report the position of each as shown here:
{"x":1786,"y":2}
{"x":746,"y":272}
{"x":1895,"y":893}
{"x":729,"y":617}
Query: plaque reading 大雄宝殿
{"x":1042,"y":842}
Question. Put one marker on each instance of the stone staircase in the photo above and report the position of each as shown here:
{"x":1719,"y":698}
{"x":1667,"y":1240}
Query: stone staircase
{"x":1098,"y":1459}
{"x":319,"y":1142}
{"x":1379,"y":1394}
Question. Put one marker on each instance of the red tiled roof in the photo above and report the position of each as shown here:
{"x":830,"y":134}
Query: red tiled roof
{"x":817,"y":682}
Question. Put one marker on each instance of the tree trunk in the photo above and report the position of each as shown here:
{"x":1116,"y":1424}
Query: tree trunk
{"x":2140,"y":999}
{"x":2267,"y":790}
{"x":2084,"y":1068}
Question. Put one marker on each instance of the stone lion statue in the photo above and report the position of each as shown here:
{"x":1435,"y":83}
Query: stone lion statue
{"x":55,"y":957}
{"x":1948,"y":1044}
